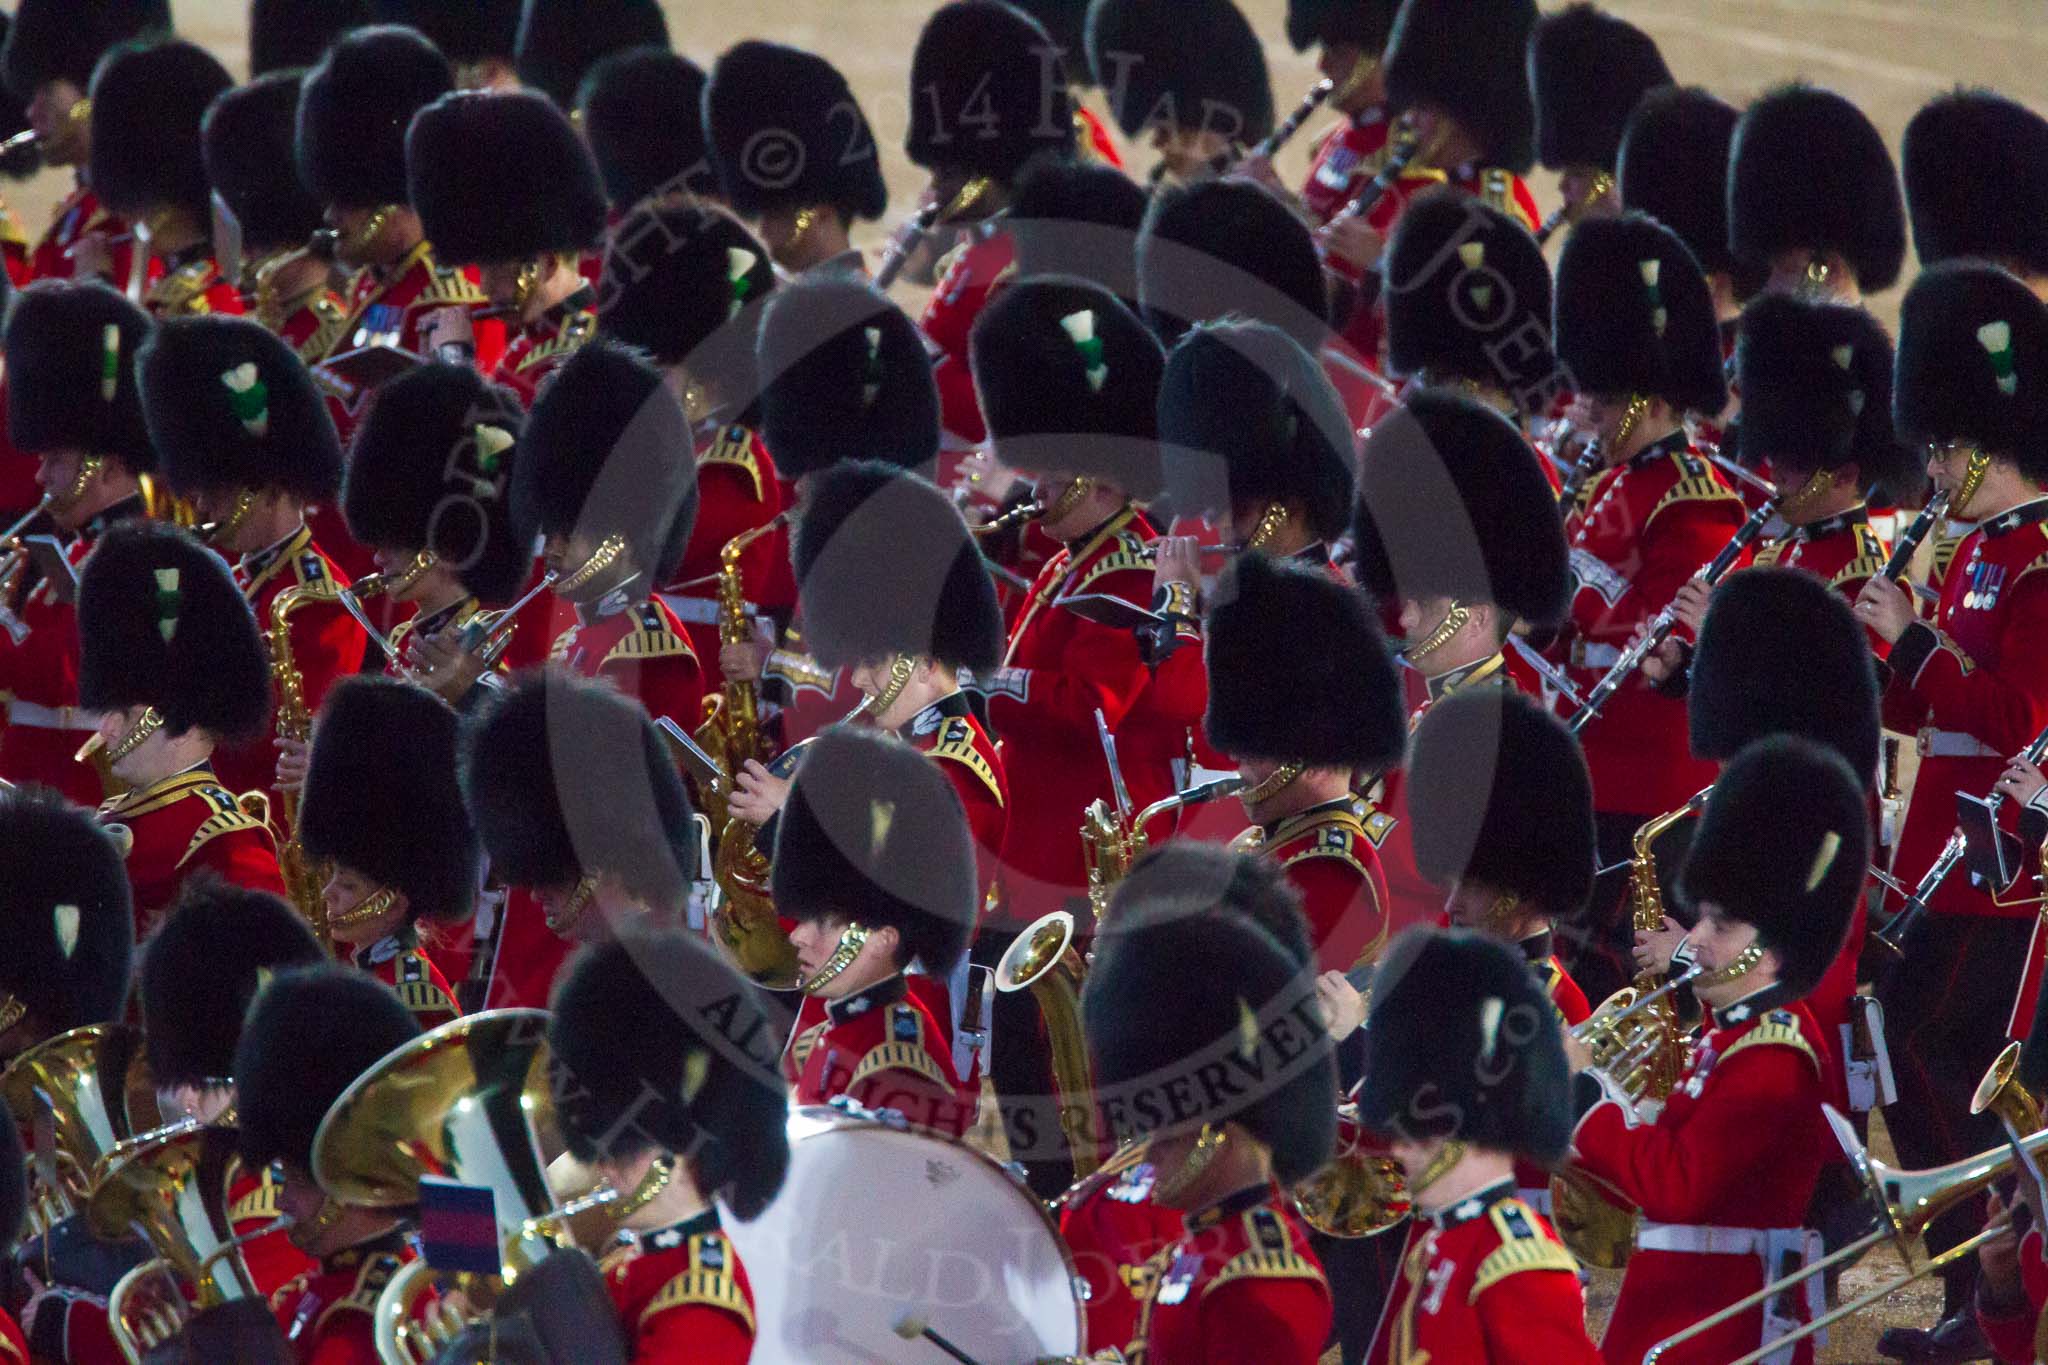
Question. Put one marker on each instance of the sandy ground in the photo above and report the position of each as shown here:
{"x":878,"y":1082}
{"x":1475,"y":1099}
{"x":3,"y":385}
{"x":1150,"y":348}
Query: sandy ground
{"x":1888,"y":55}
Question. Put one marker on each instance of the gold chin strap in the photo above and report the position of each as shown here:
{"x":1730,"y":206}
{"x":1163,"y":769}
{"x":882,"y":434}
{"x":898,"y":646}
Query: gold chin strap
{"x":1498,"y":918}
{"x":525,"y":284}
{"x":560,"y":922}
{"x":1070,"y":497}
{"x":1269,"y":526}
{"x":224,"y":530}
{"x":1630,"y":419}
{"x":413,"y":572}
{"x":1808,"y":491}
{"x":88,"y":469}
{"x":1209,"y":1145}
{"x":900,"y":669}
{"x":1449,"y":1155}
{"x":372,"y":907}
{"x":852,"y":939}
{"x":147,"y":724}
{"x":323,"y":1222}
{"x":1735,"y":970}
{"x":602,"y":558}
{"x":647,"y":1191}
{"x":1276,"y":782}
{"x":12,"y":1011}
{"x":1355,"y":80}
{"x":800,"y":227}
{"x":1973,"y":479}
{"x":369,"y":231}
{"x":1454,"y":621}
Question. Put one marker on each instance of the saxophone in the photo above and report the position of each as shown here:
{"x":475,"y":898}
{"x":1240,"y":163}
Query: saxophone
{"x":731,"y":729}
{"x":295,"y":722}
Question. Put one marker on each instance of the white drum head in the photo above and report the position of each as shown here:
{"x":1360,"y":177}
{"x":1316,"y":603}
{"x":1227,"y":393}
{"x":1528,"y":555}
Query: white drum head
{"x":875,"y":1225}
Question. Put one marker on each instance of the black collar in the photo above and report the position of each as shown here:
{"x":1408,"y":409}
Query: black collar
{"x":348,"y":1258}
{"x":1538,"y":947}
{"x":433,"y":621}
{"x":887,"y":991}
{"x":1755,"y":1005}
{"x":679,"y":1234}
{"x":1830,"y":526}
{"x":2026,"y":514}
{"x":607,"y":605}
{"x":106,"y":517}
{"x":1341,"y":803}
{"x":952,"y":706}
{"x":1677,"y":443}
{"x":1086,"y":539}
{"x":255,"y":563}
{"x":1492,"y":668}
{"x":1474,"y":1205}
{"x":1250,"y":1197}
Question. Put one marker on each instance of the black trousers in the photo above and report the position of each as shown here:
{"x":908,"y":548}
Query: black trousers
{"x":1945,"y":1009}
{"x":1361,"y":1273}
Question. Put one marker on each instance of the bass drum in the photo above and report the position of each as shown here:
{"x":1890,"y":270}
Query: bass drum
{"x":876,"y":1225}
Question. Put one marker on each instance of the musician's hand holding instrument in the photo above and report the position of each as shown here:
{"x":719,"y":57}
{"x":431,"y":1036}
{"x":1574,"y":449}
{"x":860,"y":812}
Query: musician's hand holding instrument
{"x":1998,"y":1255}
{"x":2022,"y":781}
{"x":1654,"y":947}
{"x":746,"y":660}
{"x":291,"y":763}
{"x":1884,"y":607}
{"x":1353,"y":241}
{"x":757,"y":794}
{"x":441,"y":663}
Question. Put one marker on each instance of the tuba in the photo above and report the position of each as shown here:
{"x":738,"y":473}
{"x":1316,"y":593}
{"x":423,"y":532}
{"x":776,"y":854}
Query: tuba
{"x":77,"y":1093}
{"x":1361,"y":1192}
{"x":302,"y":882}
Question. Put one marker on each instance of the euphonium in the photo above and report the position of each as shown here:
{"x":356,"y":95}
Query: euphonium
{"x":74,"y":1089}
{"x":1361,"y":1192}
{"x":1043,"y":960}
{"x":302,"y":883}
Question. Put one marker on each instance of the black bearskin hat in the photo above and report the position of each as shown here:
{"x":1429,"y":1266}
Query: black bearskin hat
{"x":1816,"y":386}
{"x":1463,"y":1044}
{"x":202,"y":967}
{"x":1181,"y":64}
{"x":1247,"y":417}
{"x":1792,"y":865}
{"x":1452,"y":502}
{"x":1780,"y":652}
{"x":1467,"y":296}
{"x":1069,"y":380}
{"x":1673,"y":166}
{"x":565,"y":776}
{"x":1078,"y":218}
{"x":292,"y":34}
{"x":1973,"y":363}
{"x":22,"y":162}
{"x":1173,"y":994}
{"x":1633,"y":315}
{"x":885,"y":565}
{"x":1207,"y":878}
{"x":1468,"y":58}
{"x":1362,"y":23}
{"x":1588,"y":71}
{"x":430,"y":468}
{"x":231,"y":406}
{"x":1809,"y":171}
{"x":785,"y":131}
{"x":67,"y":912}
{"x":683,"y":282}
{"x":377,"y":738}
{"x":844,"y":376}
{"x":1528,"y":831}
{"x":988,"y":91}
{"x":542,"y":195}
{"x":684,"y":1086}
{"x":1344,"y":707}
{"x":642,"y":116}
{"x":58,"y":358}
{"x":1065,"y":22}
{"x":62,"y":40}
{"x":873,"y":832}
{"x":295,"y":1058}
{"x":147,"y":104}
{"x":468,"y":32}
{"x":608,"y":450}
{"x":247,"y":138}
{"x":354,"y":110}
{"x":560,"y":40}
{"x":1222,"y":248}
{"x":161,"y":623}
{"x":1976,"y":168}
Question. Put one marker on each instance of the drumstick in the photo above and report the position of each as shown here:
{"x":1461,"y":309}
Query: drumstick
{"x":911,"y":1328}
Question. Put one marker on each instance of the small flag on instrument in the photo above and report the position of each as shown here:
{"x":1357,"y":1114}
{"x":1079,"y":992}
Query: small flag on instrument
{"x":459,"y":1226}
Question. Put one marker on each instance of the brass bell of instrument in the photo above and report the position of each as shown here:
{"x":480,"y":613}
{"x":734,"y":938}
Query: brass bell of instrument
{"x":87,"y":1086}
{"x":1361,"y":1192}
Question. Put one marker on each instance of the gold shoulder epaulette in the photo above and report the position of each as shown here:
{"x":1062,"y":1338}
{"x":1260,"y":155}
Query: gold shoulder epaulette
{"x":956,"y":742}
{"x":1700,"y":486}
{"x":735,"y":449}
{"x":575,"y":331}
{"x":332,"y":315}
{"x":1523,"y":1246}
{"x":417,"y":989}
{"x":1271,"y":1255}
{"x":903,"y":1050}
{"x":1780,"y":1028}
{"x":1869,"y":560}
{"x":260,"y":1202}
{"x":1129,"y":553}
{"x":1769,"y":553}
{"x":370,"y":1281}
{"x":228,"y":817}
{"x":651,"y":638}
{"x":450,"y":285}
{"x":314,"y":576}
{"x":182,"y":293}
{"x":708,"y":1281}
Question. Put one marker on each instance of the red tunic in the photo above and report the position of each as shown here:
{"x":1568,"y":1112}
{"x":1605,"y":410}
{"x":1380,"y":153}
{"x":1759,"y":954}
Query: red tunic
{"x":886,"y":1049}
{"x":2010,"y":1330}
{"x":328,"y":1315}
{"x":1114,"y":1230}
{"x":252,"y":1205}
{"x":1842,"y":551}
{"x":13,"y":1348}
{"x":973,"y":763}
{"x":399,"y":962}
{"x":310,"y":324}
{"x":683,"y":1296}
{"x":964,"y":284}
{"x":1532,"y":1182}
{"x":1240,"y":1285}
{"x":1647,"y":526}
{"x":182,"y":825}
{"x":1739,"y":1147}
{"x":641,"y":650}
{"x":540,"y":348}
{"x":1058,"y":672}
{"x":737,"y":491}
{"x":1974,"y":687}
{"x":81,"y":213}
{"x":190,"y":285}
{"x":526,"y":954}
{"x":1486,"y":1280}
{"x":391,"y":303}
{"x":327,"y":645}
{"x":1330,"y":854}
{"x":1344,"y":162}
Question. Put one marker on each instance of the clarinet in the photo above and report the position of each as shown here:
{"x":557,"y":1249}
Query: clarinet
{"x":1909,"y":544}
{"x":1667,"y":620}
{"x":1398,"y":161}
{"x":1284,"y":132}
{"x":1562,"y":214}
{"x":897,"y":254}
{"x":1589,"y":463}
